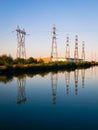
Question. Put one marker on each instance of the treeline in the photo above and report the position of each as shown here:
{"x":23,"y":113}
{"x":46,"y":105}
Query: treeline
{"x":10,"y":66}
{"x":9,"y":61}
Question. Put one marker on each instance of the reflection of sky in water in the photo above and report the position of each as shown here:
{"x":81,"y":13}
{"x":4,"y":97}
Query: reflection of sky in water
{"x":64,"y":100}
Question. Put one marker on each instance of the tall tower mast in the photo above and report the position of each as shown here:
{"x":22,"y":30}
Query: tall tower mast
{"x":54,"y":54}
{"x":21,"y":51}
{"x":76,"y":55}
{"x":83,"y":51}
{"x":67,"y":53}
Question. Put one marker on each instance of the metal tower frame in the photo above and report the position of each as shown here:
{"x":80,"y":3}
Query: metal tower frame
{"x":21,"y":51}
{"x":76,"y":54}
{"x":83,"y":51}
{"x":67,"y":53}
{"x":54,"y":53}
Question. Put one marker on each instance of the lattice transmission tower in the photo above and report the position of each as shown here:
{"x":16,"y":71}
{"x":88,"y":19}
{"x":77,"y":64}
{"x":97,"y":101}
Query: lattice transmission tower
{"x":67,"y":53}
{"x":54,"y":53}
{"x":76,"y":54}
{"x":83,"y":51}
{"x":21,"y":51}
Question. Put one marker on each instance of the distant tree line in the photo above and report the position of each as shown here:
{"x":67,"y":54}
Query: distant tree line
{"x":18,"y":66}
{"x":9,"y":61}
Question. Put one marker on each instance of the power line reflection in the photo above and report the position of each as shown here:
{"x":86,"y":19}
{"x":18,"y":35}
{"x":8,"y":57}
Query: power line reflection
{"x":54,"y":80}
{"x":67,"y":78}
{"x":83,"y":77}
{"x":21,"y":81}
{"x":76,"y":74}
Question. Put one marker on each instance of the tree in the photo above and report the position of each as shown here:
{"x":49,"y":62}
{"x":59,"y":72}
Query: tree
{"x":19,"y":61}
{"x":41,"y":61}
{"x":31,"y":60}
{"x":6,"y":60}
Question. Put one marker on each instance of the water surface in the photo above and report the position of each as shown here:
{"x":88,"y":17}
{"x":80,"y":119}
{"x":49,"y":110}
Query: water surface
{"x":55,"y":101}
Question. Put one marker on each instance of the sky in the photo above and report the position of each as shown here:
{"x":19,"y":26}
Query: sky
{"x":37,"y":17}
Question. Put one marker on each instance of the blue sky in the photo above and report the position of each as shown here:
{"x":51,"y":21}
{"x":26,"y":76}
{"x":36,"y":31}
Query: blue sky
{"x":71,"y":17}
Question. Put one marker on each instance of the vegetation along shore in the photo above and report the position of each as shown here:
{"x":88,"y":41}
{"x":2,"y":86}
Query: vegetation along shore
{"x":10,"y":66}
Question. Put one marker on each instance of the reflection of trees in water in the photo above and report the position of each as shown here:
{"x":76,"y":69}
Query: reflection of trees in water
{"x":76,"y":73}
{"x":42,"y":74}
{"x":6,"y":79}
{"x":67,"y":78}
{"x":54,"y":80}
{"x":21,"y":81}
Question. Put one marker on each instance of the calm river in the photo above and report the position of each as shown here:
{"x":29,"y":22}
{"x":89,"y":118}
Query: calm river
{"x":53,"y":101}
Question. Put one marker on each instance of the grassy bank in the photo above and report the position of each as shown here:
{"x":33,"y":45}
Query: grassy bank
{"x":43,"y":67}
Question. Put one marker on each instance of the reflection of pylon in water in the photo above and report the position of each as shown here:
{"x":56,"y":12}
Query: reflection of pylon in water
{"x":54,"y":79}
{"x":83,"y":77}
{"x":67,"y":78}
{"x":76,"y":72}
{"x":21,"y":90}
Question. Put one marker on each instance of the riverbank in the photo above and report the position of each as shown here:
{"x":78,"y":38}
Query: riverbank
{"x":43,"y":67}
